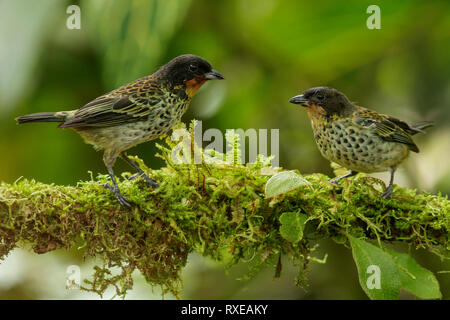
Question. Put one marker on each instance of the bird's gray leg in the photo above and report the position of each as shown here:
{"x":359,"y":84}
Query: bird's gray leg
{"x":350,"y":174}
{"x":390,"y":188}
{"x":151,"y":182}
{"x":115,"y":188}
{"x":109,"y":158}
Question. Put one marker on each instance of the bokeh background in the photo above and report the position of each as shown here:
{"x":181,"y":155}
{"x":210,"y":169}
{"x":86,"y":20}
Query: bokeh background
{"x":268,"y":50}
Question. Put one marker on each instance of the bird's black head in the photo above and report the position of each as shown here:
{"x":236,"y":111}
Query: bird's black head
{"x":330,"y":100}
{"x":185,"y":68}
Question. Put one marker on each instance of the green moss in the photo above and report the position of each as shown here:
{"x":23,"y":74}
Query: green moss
{"x":216,"y":209}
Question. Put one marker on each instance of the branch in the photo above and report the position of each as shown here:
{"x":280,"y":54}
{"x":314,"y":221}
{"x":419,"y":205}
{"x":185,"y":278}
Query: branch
{"x":217,"y":209}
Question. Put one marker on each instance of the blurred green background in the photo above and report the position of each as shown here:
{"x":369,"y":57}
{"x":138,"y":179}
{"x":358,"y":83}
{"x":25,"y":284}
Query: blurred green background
{"x":268,"y":51}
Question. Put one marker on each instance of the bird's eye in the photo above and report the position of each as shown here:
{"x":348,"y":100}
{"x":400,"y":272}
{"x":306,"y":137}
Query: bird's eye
{"x":193,"y":68}
{"x":320,"y":96}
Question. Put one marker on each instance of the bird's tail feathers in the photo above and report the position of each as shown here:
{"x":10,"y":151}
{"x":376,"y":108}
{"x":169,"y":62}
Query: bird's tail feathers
{"x":42,"y":117}
{"x":422,"y":125}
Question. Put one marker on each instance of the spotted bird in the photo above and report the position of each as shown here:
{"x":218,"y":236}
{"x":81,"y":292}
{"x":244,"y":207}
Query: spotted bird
{"x":135,"y":113}
{"x":357,"y":138}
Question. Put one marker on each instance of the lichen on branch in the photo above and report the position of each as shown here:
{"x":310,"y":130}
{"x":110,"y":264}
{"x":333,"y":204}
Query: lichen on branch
{"x":215,"y":208}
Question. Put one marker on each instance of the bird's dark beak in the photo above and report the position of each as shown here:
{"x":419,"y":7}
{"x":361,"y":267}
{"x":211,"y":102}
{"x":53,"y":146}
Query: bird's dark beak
{"x":212,"y":75}
{"x":300,"y":99}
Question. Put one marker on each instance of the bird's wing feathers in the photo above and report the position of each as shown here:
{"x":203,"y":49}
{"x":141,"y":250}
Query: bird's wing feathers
{"x":390,"y":131}
{"x":130,"y":103}
{"x":388,"y":128}
{"x":409,"y":129}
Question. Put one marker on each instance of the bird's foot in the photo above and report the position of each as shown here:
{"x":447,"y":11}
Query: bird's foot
{"x":135,"y":175}
{"x":124,"y":202}
{"x":335,"y":181}
{"x":350,"y":174}
{"x":388,"y":193}
{"x":151,"y":182}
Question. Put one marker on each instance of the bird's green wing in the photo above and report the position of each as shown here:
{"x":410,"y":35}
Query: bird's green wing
{"x":131,"y":103}
{"x":388,"y":128}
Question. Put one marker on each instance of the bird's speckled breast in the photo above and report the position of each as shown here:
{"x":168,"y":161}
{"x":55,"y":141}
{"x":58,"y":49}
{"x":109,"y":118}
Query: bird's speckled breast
{"x":158,"y":123}
{"x":356,"y":147}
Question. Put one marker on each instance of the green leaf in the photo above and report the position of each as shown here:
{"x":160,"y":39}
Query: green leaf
{"x":284,"y":182}
{"x":292,"y":224}
{"x":378,"y":274}
{"x":138,"y":38}
{"x":414,"y":278}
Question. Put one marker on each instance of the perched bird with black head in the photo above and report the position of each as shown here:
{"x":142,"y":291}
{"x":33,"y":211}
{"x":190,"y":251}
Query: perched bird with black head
{"x":357,"y":138}
{"x":135,"y":113}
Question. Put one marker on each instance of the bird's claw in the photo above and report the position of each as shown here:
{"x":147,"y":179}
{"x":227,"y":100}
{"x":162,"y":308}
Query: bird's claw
{"x":388,"y":193}
{"x":335,"y":181}
{"x":110,"y":187}
{"x":123,"y":201}
{"x":151,"y":182}
{"x":135,"y":176}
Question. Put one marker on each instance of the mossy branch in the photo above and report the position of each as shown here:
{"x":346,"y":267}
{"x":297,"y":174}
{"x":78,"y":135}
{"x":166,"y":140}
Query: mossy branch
{"x":217,"y":209}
